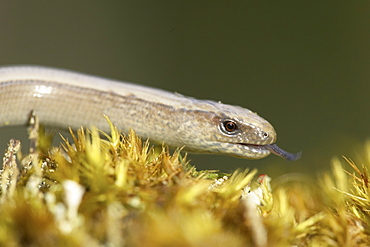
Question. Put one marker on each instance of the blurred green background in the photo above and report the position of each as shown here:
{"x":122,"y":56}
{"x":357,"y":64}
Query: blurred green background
{"x":302,"y":65}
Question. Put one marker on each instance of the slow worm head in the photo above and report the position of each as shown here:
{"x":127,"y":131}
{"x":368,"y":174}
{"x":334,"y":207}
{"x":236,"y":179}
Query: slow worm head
{"x":64,"y":98}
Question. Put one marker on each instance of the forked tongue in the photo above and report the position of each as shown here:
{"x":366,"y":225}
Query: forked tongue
{"x":273,"y":148}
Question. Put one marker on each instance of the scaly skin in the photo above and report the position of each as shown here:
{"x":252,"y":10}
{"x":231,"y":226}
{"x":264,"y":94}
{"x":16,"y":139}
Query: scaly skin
{"x":64,"y":99}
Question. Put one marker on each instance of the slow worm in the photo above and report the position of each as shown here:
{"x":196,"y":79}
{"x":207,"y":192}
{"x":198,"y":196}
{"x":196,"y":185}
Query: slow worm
{"x":63,"y":98}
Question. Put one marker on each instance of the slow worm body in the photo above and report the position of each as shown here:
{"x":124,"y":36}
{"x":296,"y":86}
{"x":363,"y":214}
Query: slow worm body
{"x":64,"y":99}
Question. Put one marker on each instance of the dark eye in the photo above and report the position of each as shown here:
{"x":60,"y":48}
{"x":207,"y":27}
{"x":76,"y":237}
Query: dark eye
{"x":265,"y":134}
{"x":230,"y":126}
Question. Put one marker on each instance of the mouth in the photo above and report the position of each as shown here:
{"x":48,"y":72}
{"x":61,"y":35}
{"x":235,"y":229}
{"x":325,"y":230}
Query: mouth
{"x":273,"y":148}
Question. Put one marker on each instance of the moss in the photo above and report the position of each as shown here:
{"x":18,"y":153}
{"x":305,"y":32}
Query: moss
{"x":113,"y":190}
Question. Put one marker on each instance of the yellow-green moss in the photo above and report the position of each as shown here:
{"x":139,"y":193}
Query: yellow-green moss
{"x":119,"y":191}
